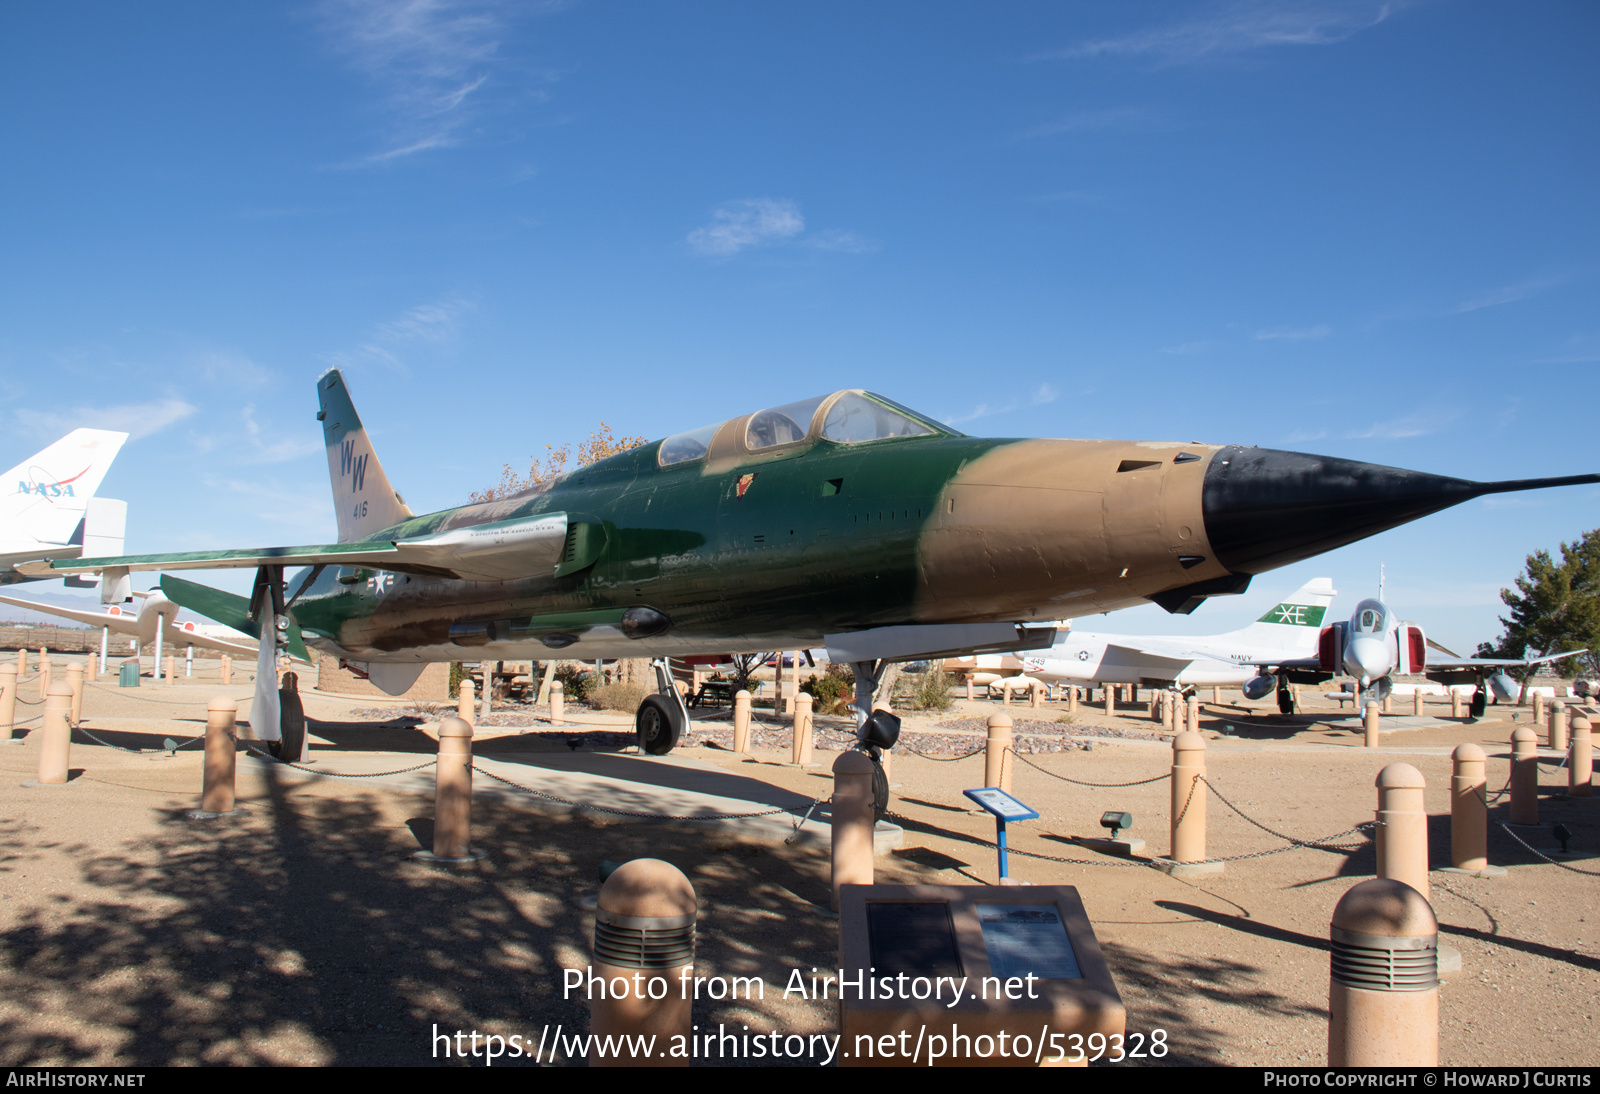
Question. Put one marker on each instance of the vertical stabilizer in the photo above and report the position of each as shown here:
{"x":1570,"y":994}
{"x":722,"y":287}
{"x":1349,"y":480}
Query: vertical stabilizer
{"x":363,"y":500}
{"x":44,"y":498}
{"x":1292,"y":627}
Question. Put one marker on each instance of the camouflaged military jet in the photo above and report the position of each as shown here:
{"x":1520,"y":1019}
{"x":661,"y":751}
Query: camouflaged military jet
{"x":846,"y":521}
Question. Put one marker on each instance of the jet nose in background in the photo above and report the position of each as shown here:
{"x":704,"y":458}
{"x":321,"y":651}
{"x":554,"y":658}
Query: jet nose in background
{"x":1368,"y":659}
{"x":1265,"y":508}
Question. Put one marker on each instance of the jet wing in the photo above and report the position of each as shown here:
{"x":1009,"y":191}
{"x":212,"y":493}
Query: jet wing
{"x":1490,"y":662}
{"x":500,"y":551}
{"x":122,"y":624}
{"x":1125,"y":655}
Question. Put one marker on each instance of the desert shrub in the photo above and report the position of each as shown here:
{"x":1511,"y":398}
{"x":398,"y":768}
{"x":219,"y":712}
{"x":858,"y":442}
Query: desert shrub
{"x":457,"y":674}
{"x":833,"y":690}
{"x":623,"y":697}
{"x":931,"y":690}
{"x":576,"y":684}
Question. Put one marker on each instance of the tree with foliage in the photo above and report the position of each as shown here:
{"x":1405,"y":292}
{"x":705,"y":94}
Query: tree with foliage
{"x":601,"y":443}
{"x":1556,"y":607}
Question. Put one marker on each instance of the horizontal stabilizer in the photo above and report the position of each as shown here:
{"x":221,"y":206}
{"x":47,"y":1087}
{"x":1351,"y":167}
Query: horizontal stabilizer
{"x":229,"y":609}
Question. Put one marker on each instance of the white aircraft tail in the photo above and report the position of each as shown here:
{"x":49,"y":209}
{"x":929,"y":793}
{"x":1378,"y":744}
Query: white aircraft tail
{"x":1293,"y":626}
{"x":44,"y":498}
{"x":363,"y":500}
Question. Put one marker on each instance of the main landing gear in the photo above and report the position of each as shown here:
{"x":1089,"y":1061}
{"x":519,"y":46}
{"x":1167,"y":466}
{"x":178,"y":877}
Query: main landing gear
{"x":662,"y":718}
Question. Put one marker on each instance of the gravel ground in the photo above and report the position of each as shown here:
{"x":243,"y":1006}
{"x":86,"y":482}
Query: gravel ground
{"x":303,"y":932}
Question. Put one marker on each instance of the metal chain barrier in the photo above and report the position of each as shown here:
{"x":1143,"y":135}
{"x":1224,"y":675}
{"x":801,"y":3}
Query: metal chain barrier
{"x":338,"y":774}
{"x":634,"y":812}
{"x":1080,"y":782}
{"x":1318,"y":844}
{"x":143,"y":699}
{"x":1547,"y":858}
{"x":943,"y":759}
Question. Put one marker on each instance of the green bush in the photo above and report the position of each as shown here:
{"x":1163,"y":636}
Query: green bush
{"x":576,"y":684}
{"x":457,"y":674}
{"x":832,"y":690}
{"x":623,"y":697}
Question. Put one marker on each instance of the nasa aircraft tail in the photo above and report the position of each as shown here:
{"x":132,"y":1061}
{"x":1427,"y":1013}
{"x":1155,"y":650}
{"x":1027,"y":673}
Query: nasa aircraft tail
{"x":44,"y":498}
{"x":363,"y":500}
{"x":1293,"y":626}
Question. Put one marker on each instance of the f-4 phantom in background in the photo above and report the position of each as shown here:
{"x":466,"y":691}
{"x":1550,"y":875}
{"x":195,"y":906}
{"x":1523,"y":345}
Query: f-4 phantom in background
{"x":843,"y":521}
{"x":1374,"y":646}
{"x":1287,"y":632}
{"x":48,"y":508}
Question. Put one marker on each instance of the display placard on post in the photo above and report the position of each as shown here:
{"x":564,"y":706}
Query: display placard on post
{"x":1004,"y":808}
{"x":951,"y":973}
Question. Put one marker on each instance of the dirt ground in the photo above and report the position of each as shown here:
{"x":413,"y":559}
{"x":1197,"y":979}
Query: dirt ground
{"x":302,"y":932}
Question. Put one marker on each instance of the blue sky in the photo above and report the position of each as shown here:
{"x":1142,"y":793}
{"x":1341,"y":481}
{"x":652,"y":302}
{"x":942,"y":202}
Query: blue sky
{"x":1361,"y":229}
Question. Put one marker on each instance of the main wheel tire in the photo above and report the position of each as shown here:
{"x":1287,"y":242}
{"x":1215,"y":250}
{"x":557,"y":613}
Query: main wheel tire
{"x":292,"y":724}
{"x":1480,"y":703}
{"x":1285,"y":701}
{"x":880,"y":791}
{"x":659,"y":725}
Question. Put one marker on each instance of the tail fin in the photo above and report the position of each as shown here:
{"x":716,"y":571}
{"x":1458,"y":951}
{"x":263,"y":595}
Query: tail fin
{"x":1294,"y":625}
{"x":363,"y":500}
{"x":43,"y":499}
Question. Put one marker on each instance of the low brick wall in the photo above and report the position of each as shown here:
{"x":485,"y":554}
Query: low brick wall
{"x":433,"y":685}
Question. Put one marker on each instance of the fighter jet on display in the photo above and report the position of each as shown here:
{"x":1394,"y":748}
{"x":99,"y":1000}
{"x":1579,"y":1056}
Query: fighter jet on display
{"x":843,"y":521}
{"x":1374,"y":646}
{"x":48,"y":508}
{"x":1287,"y":632}
{"x":154,"y":621}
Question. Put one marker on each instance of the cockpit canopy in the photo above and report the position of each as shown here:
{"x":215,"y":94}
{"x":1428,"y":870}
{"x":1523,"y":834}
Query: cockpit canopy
{"x":844,"y":417}
{"x":1372,"y":617}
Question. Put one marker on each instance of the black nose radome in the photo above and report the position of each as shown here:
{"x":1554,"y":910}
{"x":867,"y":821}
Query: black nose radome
{"x":1265,"y":508}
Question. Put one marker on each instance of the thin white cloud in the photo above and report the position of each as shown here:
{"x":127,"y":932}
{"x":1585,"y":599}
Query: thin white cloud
{"x":748,"y":223}
{"x":1293,"y":334}
{"x":1507,"y":294}
{"x":1043,"y":394}
{"x":751,"y":222}
{"x":1397,"y":429}
{"x":135,"y":419}
{"x":434,"y":63}
{"x":1238,"y":28}
{"x":436,"y":323}
{"x":268,"y":446}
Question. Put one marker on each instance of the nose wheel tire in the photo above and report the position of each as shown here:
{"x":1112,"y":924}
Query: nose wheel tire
{"x":659,"y":725}
{"x":1285,"y":701}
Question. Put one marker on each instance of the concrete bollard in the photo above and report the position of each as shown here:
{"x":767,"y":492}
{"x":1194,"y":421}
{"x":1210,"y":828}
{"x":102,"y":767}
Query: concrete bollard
{"x":452,"y":795}
{"x":1388,"y":704}
{"x":852,"y":821}
{"x":1036,"y":695}
{"x":1538,"y":708}
{"x":557,"y":703}
{"x":1455,"y":703}
{"x":227,"y":670}
{"x":1072,"y":700}
{"x":1469,"y":812}
{"x":1402,"y":826}
{"x":466,"y":707}
{"x":92,"y":669}
{"x":1383,"y":991}
{"x":1524,"y":776}
{"x":1416,"y":701}
{"x":75,"y":682}
{"x":46,"y":675}
{"x":644,"y":944}
{"x":1005,"y":694}
{"x":8,"y":697}
{"x":996,"y":749}
{"x":970,"y":695}
{"x":803,"y":713}
{"x":172,"y":663}
{"x":56,"y":750}
{"x":1369,"y":725}
{"x":217,"y":780}
{"x":1188,"y":823}
{"x":741,"y":721}
{"x":1558,"y":726}
{"x":22,"y":661}
{"x":1111,"y":700}
{"x":1216,"y":697}
{"x":1580,"y":765}
{"x":1168,"y":714}
{"x":1191,"y":723}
